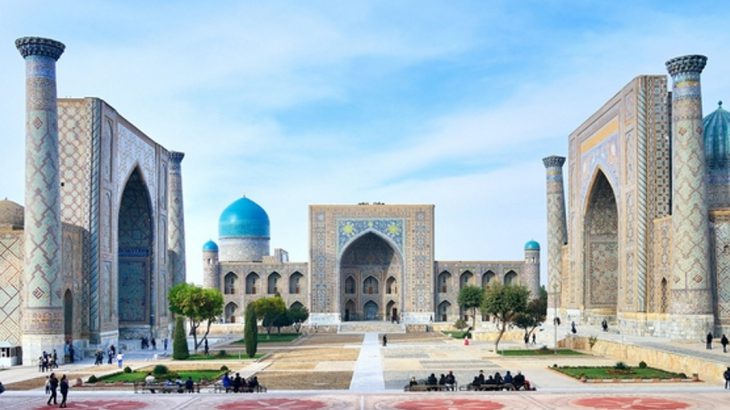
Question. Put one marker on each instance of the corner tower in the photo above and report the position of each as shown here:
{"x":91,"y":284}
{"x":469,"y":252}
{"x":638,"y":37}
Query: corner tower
{"x":691,"y":291}
{"x":176,"y":219}
{"x":211,"y":271}
{"x":532,"y":268}
{"x":43,"y":319}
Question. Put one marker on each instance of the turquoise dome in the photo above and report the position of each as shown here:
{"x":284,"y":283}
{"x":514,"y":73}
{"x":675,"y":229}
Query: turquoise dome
{"x":210,"y":246}
{"x":532,"y":246}
{"x":717,"y":138}
{"x":243,"y":218}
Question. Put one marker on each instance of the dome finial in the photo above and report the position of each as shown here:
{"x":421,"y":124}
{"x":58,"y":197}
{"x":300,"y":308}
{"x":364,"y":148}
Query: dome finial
{"x":719,"y":104}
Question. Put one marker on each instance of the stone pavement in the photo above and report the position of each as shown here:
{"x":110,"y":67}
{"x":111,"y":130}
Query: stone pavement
{"x":368,"y":374}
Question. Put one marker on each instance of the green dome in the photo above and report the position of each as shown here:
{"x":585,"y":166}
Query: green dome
{"x":243,"y":218}
{"x":532,"y":246}
{"x":717,"y":138}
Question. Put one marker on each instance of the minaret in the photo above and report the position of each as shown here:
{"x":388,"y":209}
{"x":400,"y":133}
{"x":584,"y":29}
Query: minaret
{"x":211,"y":271}
{"x":556,"y":228}
{"x":176,"y":218}
{"x":531,"y":278}
{"x":691,"y":276}
{"x":42,"y":323}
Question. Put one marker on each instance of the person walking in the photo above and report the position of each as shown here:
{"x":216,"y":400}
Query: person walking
{"x":53,"y":387}
{"x":573,"y":330}
{"x":64,"y":390}
{"x":724,"y":342}
{"x":385,"y":340}
{"x":165,"y":344}
{"x":120,"y":359}
{"x":726,"y":375}
{"x":708,"y":341}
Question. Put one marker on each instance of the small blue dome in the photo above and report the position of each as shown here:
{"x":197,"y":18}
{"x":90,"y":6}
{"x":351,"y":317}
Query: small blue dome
{"x":210,"y":246}
{"x":243,"y":218}
{"x":532,"y":246}
{"x":717,"y":138}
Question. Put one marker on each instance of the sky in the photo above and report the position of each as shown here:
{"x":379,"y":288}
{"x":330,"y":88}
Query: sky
{"x":451,"y":103}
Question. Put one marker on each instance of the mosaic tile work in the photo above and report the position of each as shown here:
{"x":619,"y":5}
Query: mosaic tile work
{"x":690,"y":246}
{"x":557,"y":230}
{"x":176,"y":226}
{"x":11,"y":271}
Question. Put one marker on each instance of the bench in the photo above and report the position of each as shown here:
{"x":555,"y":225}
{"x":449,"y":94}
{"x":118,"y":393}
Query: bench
{"x":488,"y":387}
{"x":163,"y":388}
{"x":218,"y":388}
{"x":429,"y":387}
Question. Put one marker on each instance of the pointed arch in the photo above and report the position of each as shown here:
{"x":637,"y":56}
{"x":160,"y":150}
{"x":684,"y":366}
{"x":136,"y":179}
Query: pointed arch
{"x":443,"y":281}
{"x":68,"y":314}
{"x":350,"y":310}
{"x":231,"y":311}
{"x":229,"y":283}
{"x":391,"y":286}
{"x":296,"y":305}
{"x":444,"y":311}
{"x":350,"y":285}
{"x":465,"y":279}
{"x":510,"y":278}
{"x":252,"y":280}
{"x":370,"y":286}
{"x":487,"y":278}
{"x":295,"y":283}
{"x":370,"y":308}
{"x":272,"y":285}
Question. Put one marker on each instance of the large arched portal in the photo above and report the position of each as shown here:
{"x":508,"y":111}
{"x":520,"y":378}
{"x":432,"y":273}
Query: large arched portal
{"x":366,"y":265}
{"x":601,"y":249}
{"x":135,"y":258}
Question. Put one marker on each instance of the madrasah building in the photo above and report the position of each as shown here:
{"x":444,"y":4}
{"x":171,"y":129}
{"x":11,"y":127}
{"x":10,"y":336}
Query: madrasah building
{"x":645,"y":243}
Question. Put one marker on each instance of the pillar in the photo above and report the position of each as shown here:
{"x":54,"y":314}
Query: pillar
{"x":691,"y":292}
{"x":42,"y":319}
{"x":176,"y":218}
{"x":557,"y":235}
{"x":532,"y":269}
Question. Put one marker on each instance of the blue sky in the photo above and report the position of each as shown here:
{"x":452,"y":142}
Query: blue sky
{"x":298,"y":103}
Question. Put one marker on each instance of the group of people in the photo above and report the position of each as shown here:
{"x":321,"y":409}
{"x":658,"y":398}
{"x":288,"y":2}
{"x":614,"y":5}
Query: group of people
{"x":99,"y":355}
{"x":239,"y":384}
{"x":723,"y":341}
{"x":446,"y":381}
{"x":53,"y":384}
{"x":518,"y":380}
{"x":187,"y":386}
{"x":47,"y":361}
{"x":145,"y":343}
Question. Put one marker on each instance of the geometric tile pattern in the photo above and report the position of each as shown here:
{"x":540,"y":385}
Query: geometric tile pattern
{"x":557,"y":230}
{"x":690,"y":282}
{"x":601,"y":241}
{"x":11,"y":271}
{"x":176,"y":219}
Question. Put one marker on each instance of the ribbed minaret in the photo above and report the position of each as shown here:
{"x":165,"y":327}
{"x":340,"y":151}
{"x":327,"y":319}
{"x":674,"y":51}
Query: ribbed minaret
{"x":176,"y":218}
{"x":691,"y":281}
{"x":42,"y":322}
{"x":532,"y":269}
{"x":211,"y":271}
{"x":556,"y":228}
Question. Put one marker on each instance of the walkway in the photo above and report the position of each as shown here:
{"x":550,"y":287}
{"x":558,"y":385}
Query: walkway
{"x":368,"y":374}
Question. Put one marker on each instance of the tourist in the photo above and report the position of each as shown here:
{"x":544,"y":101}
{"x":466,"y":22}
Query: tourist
{"x":48,"y":385}
{"x":71,"y":353}
{"x":724,"y":342}
{"x":226,"y":382}
{"x":165,"y":344}
{"x":708,"y":344}
{"x":237,"y":383}
{"x":205,"y":347}
{"x":519,"y":380}
{"x":150,"y":380}
{"x":450,"y":380}
{"x":480,"y":377}
{"x":442,"y":380}
{"x":2,"y":388}
{"x":120,"y":359}
{"x":431,"y":380}
{"x":573,"y":330}
{"x":385,"y":340}
{"x":490,"y":380}
{"x":533,"y":339}
{"x":110,"y":356}
{"x":604,"y":325}
{"x":413,"y":381}
{"x":726,"y":375}
{"x":498,"y":378}
{"x":253,"y":383}
{"x":53,"y":386}
{"x":188,"y":382}
{"x":64,"y":390}
{"x":54,"y":359}
{"x":526,"y":339}
{"x":507,"y":378}
{"x":154,"y":344}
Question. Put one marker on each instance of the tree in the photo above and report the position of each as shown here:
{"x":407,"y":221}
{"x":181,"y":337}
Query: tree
{"x":534,"y":315}
{"x":297,"y":314}
{"x":179,"y":340}
{"x":268,"y":309}
{"x":250,"y":330}
{"x":470,"y":297}
{"x":504,"y":302}
{"x":198,"y":305}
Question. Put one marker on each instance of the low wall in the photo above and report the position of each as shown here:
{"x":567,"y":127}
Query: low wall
{"x":707,"y":370}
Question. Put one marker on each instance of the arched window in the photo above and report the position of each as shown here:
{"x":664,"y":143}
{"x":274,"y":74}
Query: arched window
{"x":229,"y":283}
{"x":370,"y":286}
{"x":273,"y":285}
{"x":231,"y":310}
{"x":443,"y":312}
{"x":295,"y":287}
{"x":487,"y":278}
{"x":371,"y":310}
{"x":391,"y":286}
{"x":296,"y":305}
{"x":510,"y":278}
{"x":251,"y":282}
{"x":465,"y":279}
{"x":443,"y":281}
{"x":350,"y":285}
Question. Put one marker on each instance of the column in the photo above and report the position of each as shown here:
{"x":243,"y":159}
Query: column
{"x":691,"y":274}
{"x":556,"y":228}
{"x":176,"y":218}
{"x":42,"y":321}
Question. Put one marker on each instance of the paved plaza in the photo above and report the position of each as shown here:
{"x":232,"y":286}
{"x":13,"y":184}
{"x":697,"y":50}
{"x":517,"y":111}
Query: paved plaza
{"x":378,"y":375}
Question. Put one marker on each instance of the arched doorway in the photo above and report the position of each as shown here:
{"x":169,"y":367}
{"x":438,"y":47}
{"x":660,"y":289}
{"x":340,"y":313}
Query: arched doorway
{"x":231,"y":311}
{"x":273,"y":283}
{"x":135,"y":259}
{"x":251,"y":281}
{"x":510,"y":278}
{"x":391,"y":311}
{"x":600,"y":238}
{"x":443,"y":281}
{"x":465,"y":279}
{"x":487,"y":278}
{"x":444,"y":311}
{"x":367,"y":266}
{"x":295,"y":286}
{"x":229,"y":283}
{"x":68,"y":315}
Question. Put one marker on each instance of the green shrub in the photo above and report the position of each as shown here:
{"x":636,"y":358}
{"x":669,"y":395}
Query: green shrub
{"x":621,"y":366}
{"x":555,"y":365}
{"x":127,"y":369}
{"x":224,"y":368}
{"x":460,"y":324}
{"x":180,"y":341}
{"x":682,"y":376}
{"x":642,"y":365}
{"x":92,"y":379}
{"x":222,"y":353}
{"x":160,"y":369}
{"x":250,"y":331}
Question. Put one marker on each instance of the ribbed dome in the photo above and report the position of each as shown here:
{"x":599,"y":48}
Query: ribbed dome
{"x":243,"y":218}
{"x":717,"y":138}
{"x":11,"y":213}
{"x":532,"y":246}
{"x":210,"y":246}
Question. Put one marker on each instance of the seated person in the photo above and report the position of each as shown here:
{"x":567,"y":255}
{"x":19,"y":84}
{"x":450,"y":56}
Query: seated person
{"x":237,"y":383}
{"x":490,"y":380}
{"x":481,"y":377}
{"x":450,"y":380}
{"x":189,"y":385}
{"x":498,"y":378}
{"x":149,"y":379}
{"x":431,"y":379}
{"x":442,"y":380}
{"x":507,"y":378}
{"x":476,"y":382}
{"x":226,"y":381}
{"x":413,"y":381}
{"x":253,"y":382}
{"x":519,"y":380}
